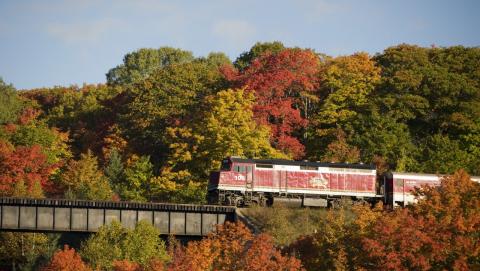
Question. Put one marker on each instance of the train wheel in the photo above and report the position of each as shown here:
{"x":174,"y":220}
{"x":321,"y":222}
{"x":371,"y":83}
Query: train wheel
{"x":239,"y":202}
{"x":334,"y":203}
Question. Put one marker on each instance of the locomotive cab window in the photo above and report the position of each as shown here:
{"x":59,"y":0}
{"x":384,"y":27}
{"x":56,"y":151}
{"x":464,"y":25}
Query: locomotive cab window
{"x":239,"y":168}
{"x":226,"y":166}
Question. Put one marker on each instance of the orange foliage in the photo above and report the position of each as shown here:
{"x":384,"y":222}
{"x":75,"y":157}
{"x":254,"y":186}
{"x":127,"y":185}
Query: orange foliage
{"x":28,"y":115}
{"x":28,"y":164}
{"x":440,"y":232}
{"x":232,"y":247}
{"x":126,"y":265}
{"x":66,"y":260}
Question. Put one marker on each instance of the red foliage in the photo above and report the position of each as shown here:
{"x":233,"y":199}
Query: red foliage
{"x":279,"y":81}
{"x":24,"y":163}
{"x":66,"y":260}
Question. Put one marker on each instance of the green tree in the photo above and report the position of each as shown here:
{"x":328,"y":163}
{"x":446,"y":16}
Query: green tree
{"x":83,"y":180}
{"x":381,"y":136}
{"x":114,"y":170}
{"x":246,"y":58}
{"x":444,"y":155}
{"x":433,"y":91}
{"x":113,"y":242}
{"x":137,"y":184}
{"x":53,"y":142}
{"x":26,"y":251}
{"x":140,"y":64}
{"x":10,"y":103}
{"x":166,"y":98}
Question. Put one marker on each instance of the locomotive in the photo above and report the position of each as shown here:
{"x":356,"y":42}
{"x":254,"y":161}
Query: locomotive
{"x":245,"y":182}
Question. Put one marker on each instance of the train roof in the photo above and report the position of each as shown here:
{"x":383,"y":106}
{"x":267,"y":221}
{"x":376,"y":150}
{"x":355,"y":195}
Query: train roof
{"x":301,"y":163}
{"x":410,"y":174}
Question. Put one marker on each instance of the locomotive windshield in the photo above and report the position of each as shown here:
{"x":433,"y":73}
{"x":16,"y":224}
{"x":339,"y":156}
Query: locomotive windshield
{"x":226,"y":165}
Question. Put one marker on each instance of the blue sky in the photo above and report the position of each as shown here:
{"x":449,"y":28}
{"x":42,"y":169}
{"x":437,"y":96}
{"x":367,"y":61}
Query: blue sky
{"x":64,"y":42}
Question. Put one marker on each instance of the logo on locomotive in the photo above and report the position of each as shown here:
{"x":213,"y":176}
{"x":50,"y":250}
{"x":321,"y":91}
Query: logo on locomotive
{"x":319,"y":182}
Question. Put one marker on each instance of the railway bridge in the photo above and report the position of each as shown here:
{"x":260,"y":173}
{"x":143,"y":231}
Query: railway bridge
{"x":60,"y":215}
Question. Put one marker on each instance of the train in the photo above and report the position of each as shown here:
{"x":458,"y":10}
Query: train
{"x":265,"y":182}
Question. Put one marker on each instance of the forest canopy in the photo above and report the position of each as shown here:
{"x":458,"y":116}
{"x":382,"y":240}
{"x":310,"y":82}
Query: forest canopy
{"x":166,"y":118}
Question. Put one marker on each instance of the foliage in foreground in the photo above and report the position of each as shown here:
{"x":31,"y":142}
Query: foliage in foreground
{"x":231,"y":247}
{"x":439,"y":233}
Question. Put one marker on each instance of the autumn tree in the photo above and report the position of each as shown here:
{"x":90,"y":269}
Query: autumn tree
{"x":347,"y":82}
{"x":283,"y":84}
{"x":83,"y":179}
{"x":66,"y":260}
{"x":337,"y":242}
{"x":223,"y":127}
{"x":339,"y":151}
{"x":168,"y":97}
{"x":24,"y":166}
{"x":345,"y":88}
{"x":232,"y":247}
{"x":86,"y":113}
{"x":439,"y":232}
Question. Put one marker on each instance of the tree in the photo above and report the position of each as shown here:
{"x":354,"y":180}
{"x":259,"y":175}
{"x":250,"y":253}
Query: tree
{"x":441,"y":154}
{"x":439,"y":232}
{"x":86,"y":113}
{"x":257,"y":50}
{"x":25,"y":250}
{"x":340,"y":151}
{"x":10,"y":103}
{"x":347,"y":82}
{"x":223,"y":127}
{"x":434,"y":91}
{"x":232,"y":247}
{"x":283,"y":84}
{"x":379,"y":136}
{"x":140,"y":64}
{"x":337,"y":242}
{"x":24,"y":164}
{"x":53,"y":142}
{"x":137,"y":184}
{"x":66,"y":260}
{"x":168,"y":97}
{"x":112,"y":242}
{"x":114,"y":170}
{"x":83,"y":180}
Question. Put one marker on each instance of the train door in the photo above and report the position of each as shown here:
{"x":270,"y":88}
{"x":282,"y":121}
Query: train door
{"x":249,"y":177}
{"x":283,"y":181}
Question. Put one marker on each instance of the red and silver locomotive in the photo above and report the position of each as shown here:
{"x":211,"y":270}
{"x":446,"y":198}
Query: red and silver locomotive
{"x":243,"y":182}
